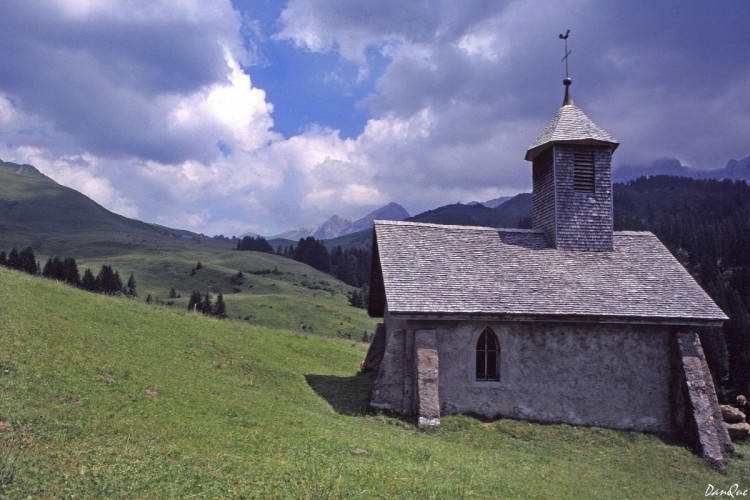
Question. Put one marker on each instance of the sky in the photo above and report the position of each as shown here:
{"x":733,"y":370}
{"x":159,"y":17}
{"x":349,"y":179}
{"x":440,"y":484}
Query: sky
{"x":228,"y":117}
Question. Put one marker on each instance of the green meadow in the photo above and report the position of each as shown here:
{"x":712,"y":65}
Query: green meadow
{"x":111,"y":397}
{"x":274,"y":291}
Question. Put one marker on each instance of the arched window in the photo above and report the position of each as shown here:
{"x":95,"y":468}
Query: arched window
{"x":488,"y":356}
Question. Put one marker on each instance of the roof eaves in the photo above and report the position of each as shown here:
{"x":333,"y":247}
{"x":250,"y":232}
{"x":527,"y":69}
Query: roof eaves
{"x":562,"y":318}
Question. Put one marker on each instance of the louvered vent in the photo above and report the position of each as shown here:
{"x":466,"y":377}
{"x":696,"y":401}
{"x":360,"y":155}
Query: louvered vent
{"x":583,"y":172}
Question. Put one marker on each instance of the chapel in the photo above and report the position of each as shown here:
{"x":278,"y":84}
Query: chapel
{"x":568,"y":322}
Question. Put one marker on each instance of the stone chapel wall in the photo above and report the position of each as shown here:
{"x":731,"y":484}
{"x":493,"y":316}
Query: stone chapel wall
{"x":614,"y":376}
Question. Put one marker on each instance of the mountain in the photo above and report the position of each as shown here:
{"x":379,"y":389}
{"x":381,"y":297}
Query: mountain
{"x":337,"y":226}
{"x":333,"y":227}
{"x":37,"y":211}
{"x":24,"y":170}
{"x":734,"y":170}
{"x":515,"y":212}
{"x":737,"y":170}
{"x":496,"y":202}
{"x":292,"y":234}
{"x":391,"y":211}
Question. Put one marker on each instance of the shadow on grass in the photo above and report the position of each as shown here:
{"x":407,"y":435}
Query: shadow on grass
{"x":346,"y":395}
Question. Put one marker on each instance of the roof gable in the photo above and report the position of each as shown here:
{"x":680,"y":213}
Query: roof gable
{"x":440,"y":269}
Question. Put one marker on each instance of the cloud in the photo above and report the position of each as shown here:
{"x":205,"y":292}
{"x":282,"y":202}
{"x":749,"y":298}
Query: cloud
{"x":154,"y":108}
{"x":488,"y":73}
{"x":349,"y":27}
{"x":106,"y":74}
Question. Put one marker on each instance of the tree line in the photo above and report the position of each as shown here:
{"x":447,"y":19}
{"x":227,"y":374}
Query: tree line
{"x":202,"y":303}
{"x":106,"y":281}
{"x":350,"y":265}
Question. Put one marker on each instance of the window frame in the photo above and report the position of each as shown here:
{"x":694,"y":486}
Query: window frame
{"x":489,"y":355}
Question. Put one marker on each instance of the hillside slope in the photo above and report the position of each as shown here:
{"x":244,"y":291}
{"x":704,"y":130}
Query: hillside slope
{"x":36,"y":211}
{"x":273,"y":291}
{"x":102,"y":396}
{"x":42,"y":205}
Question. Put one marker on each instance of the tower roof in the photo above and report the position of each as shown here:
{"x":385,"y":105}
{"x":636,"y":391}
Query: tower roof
{"x":570,"y":125}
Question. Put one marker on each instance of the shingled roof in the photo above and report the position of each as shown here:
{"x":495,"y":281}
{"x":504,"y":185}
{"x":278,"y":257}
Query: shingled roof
{"x":570,"y":125}
{"x":432,"y":269}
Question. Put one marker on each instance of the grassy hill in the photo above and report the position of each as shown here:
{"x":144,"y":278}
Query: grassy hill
{"x":274,"y":291}
{"x":104,"y":396}
{"x":36,"y":211}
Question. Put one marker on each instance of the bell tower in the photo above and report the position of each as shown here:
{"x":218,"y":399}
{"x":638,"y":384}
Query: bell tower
{"x":572,"y":179}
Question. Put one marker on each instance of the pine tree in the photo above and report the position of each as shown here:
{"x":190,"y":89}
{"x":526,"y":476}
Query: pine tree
{"x":194,"y":304}
{"x":13,"y":260}
{"x":28,"y":261}
{"x":70,"y":273}
{"x":355,"y":299}
{"x":48,"y":269}
{"x":88,"y":282}
{"x":118,"y":288}
{"x":131,"y":286}
{"x":108,"y":281}
{"x":206,"y":307}
{"x":220,"y":308}
{"x":313,"y":253}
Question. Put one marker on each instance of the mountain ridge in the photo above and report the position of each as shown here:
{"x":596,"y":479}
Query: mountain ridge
{"x":35,"y":210}
{"x":336,"y":226}
{"x":24,"y":170}
{"x":733,"y":170}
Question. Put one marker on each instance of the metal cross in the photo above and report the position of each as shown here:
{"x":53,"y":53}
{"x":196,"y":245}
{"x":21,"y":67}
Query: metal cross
{"x":567,"y":52}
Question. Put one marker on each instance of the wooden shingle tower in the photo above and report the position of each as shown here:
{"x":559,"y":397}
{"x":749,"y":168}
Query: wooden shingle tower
{"x":572,"y":180}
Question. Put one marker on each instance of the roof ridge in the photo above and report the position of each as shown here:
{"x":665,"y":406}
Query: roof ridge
{"x":454,"y":226}
{"x":384,"y":222}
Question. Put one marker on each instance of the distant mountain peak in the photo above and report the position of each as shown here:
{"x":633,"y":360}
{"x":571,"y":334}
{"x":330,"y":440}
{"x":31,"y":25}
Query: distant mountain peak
{"x":332,"y":228}
{"x":295,"y":234}
{"x":337,"y":226}
{"x":734,"y":170}
{"x":391,"y":211}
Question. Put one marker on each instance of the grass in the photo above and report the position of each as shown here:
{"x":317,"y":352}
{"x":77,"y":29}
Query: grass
{"x":276,"y":292}
{"x":103,"y":396}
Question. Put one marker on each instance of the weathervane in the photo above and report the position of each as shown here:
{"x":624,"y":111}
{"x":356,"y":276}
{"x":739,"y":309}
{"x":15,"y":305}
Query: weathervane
{"x":567,"y":52}
{"x":567,"y":99}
